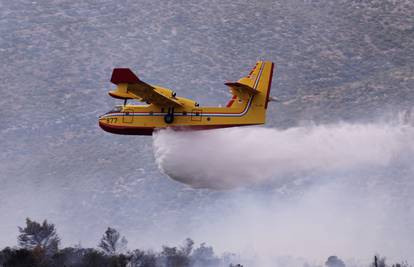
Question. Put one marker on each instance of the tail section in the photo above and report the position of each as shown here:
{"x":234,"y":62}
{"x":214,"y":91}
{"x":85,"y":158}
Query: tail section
{"x":258,"y":83}
{"x":262,"y":75}
{"x":252,"y":92}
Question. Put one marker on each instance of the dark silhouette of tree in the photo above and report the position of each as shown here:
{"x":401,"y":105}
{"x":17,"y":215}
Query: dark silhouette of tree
{"x":112,"y":243}
{"x":187,"y":248}
{"x":93,"y":258}
{"x":140,"y":258}
{"x":334,"y":261}
{"x":42,"y":237}
{"x":378,"y":261}
{"x":36,"y":239}
{"x":174,"y":257}
{"x":204,"y":256}
{"x":69,"y":256}
{"x":17,"y":258}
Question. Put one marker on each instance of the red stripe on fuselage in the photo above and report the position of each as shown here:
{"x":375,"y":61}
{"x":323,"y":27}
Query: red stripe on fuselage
{"x":135,"y":130}
{"x":231,"y":101}
{"x":127,"y":130}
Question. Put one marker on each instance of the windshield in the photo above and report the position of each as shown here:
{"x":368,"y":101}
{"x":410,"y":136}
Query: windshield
{"x":116,"y":109}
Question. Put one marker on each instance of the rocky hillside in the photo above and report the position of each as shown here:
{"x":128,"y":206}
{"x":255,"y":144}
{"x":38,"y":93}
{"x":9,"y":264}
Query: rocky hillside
{"x":336,"y":60}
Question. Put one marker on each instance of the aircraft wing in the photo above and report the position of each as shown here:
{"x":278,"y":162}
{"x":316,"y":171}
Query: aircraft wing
{"x":153,"y":95}
{"x":129,"y":86}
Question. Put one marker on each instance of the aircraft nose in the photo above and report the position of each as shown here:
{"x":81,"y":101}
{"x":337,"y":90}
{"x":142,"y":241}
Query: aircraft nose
{"x":104,"y":124}
{"x":102,"y":119}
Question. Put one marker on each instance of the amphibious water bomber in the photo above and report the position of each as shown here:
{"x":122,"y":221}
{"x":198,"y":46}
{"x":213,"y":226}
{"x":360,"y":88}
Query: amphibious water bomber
{"x":162,"y":107}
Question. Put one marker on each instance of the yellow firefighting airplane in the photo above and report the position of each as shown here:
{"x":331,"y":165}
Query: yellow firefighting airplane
{"x":165,"y":109}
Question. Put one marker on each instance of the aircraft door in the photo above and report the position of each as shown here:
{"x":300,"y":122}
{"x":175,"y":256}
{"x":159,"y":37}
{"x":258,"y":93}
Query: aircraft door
{"x":196,"y":114}
{"x":128,"y":116}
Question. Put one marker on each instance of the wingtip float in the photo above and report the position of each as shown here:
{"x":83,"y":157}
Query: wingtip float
{"x":163,"y":108}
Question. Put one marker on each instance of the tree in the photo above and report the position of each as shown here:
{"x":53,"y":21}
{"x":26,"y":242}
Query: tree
{"x":112,"y":243}
{"x":334,"y":261}
{"x":379,"y":262}
{"x":42,"y":237}
{"x":187,"y":247}
{"x":174,"y":257}
{"x":17,"y":258}
{"x":204,"y":256}
{"x":140,"y":258}
{"x":93,"y":258}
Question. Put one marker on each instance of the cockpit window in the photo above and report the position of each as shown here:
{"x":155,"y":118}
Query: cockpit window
{"x":116,"y":109}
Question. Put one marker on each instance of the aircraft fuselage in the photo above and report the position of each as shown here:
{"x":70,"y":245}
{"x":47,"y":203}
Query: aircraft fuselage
{"x":143,"y":119}
{"x":165,"y":109}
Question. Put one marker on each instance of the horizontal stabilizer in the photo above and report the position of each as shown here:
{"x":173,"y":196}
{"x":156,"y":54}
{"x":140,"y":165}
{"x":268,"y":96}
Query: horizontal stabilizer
{"x":121,"y":92}
{"x":242,"y":87}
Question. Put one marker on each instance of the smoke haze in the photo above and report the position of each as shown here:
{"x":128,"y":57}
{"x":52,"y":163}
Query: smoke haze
{"x":331,"y":188}
{"x":312,"y":191}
